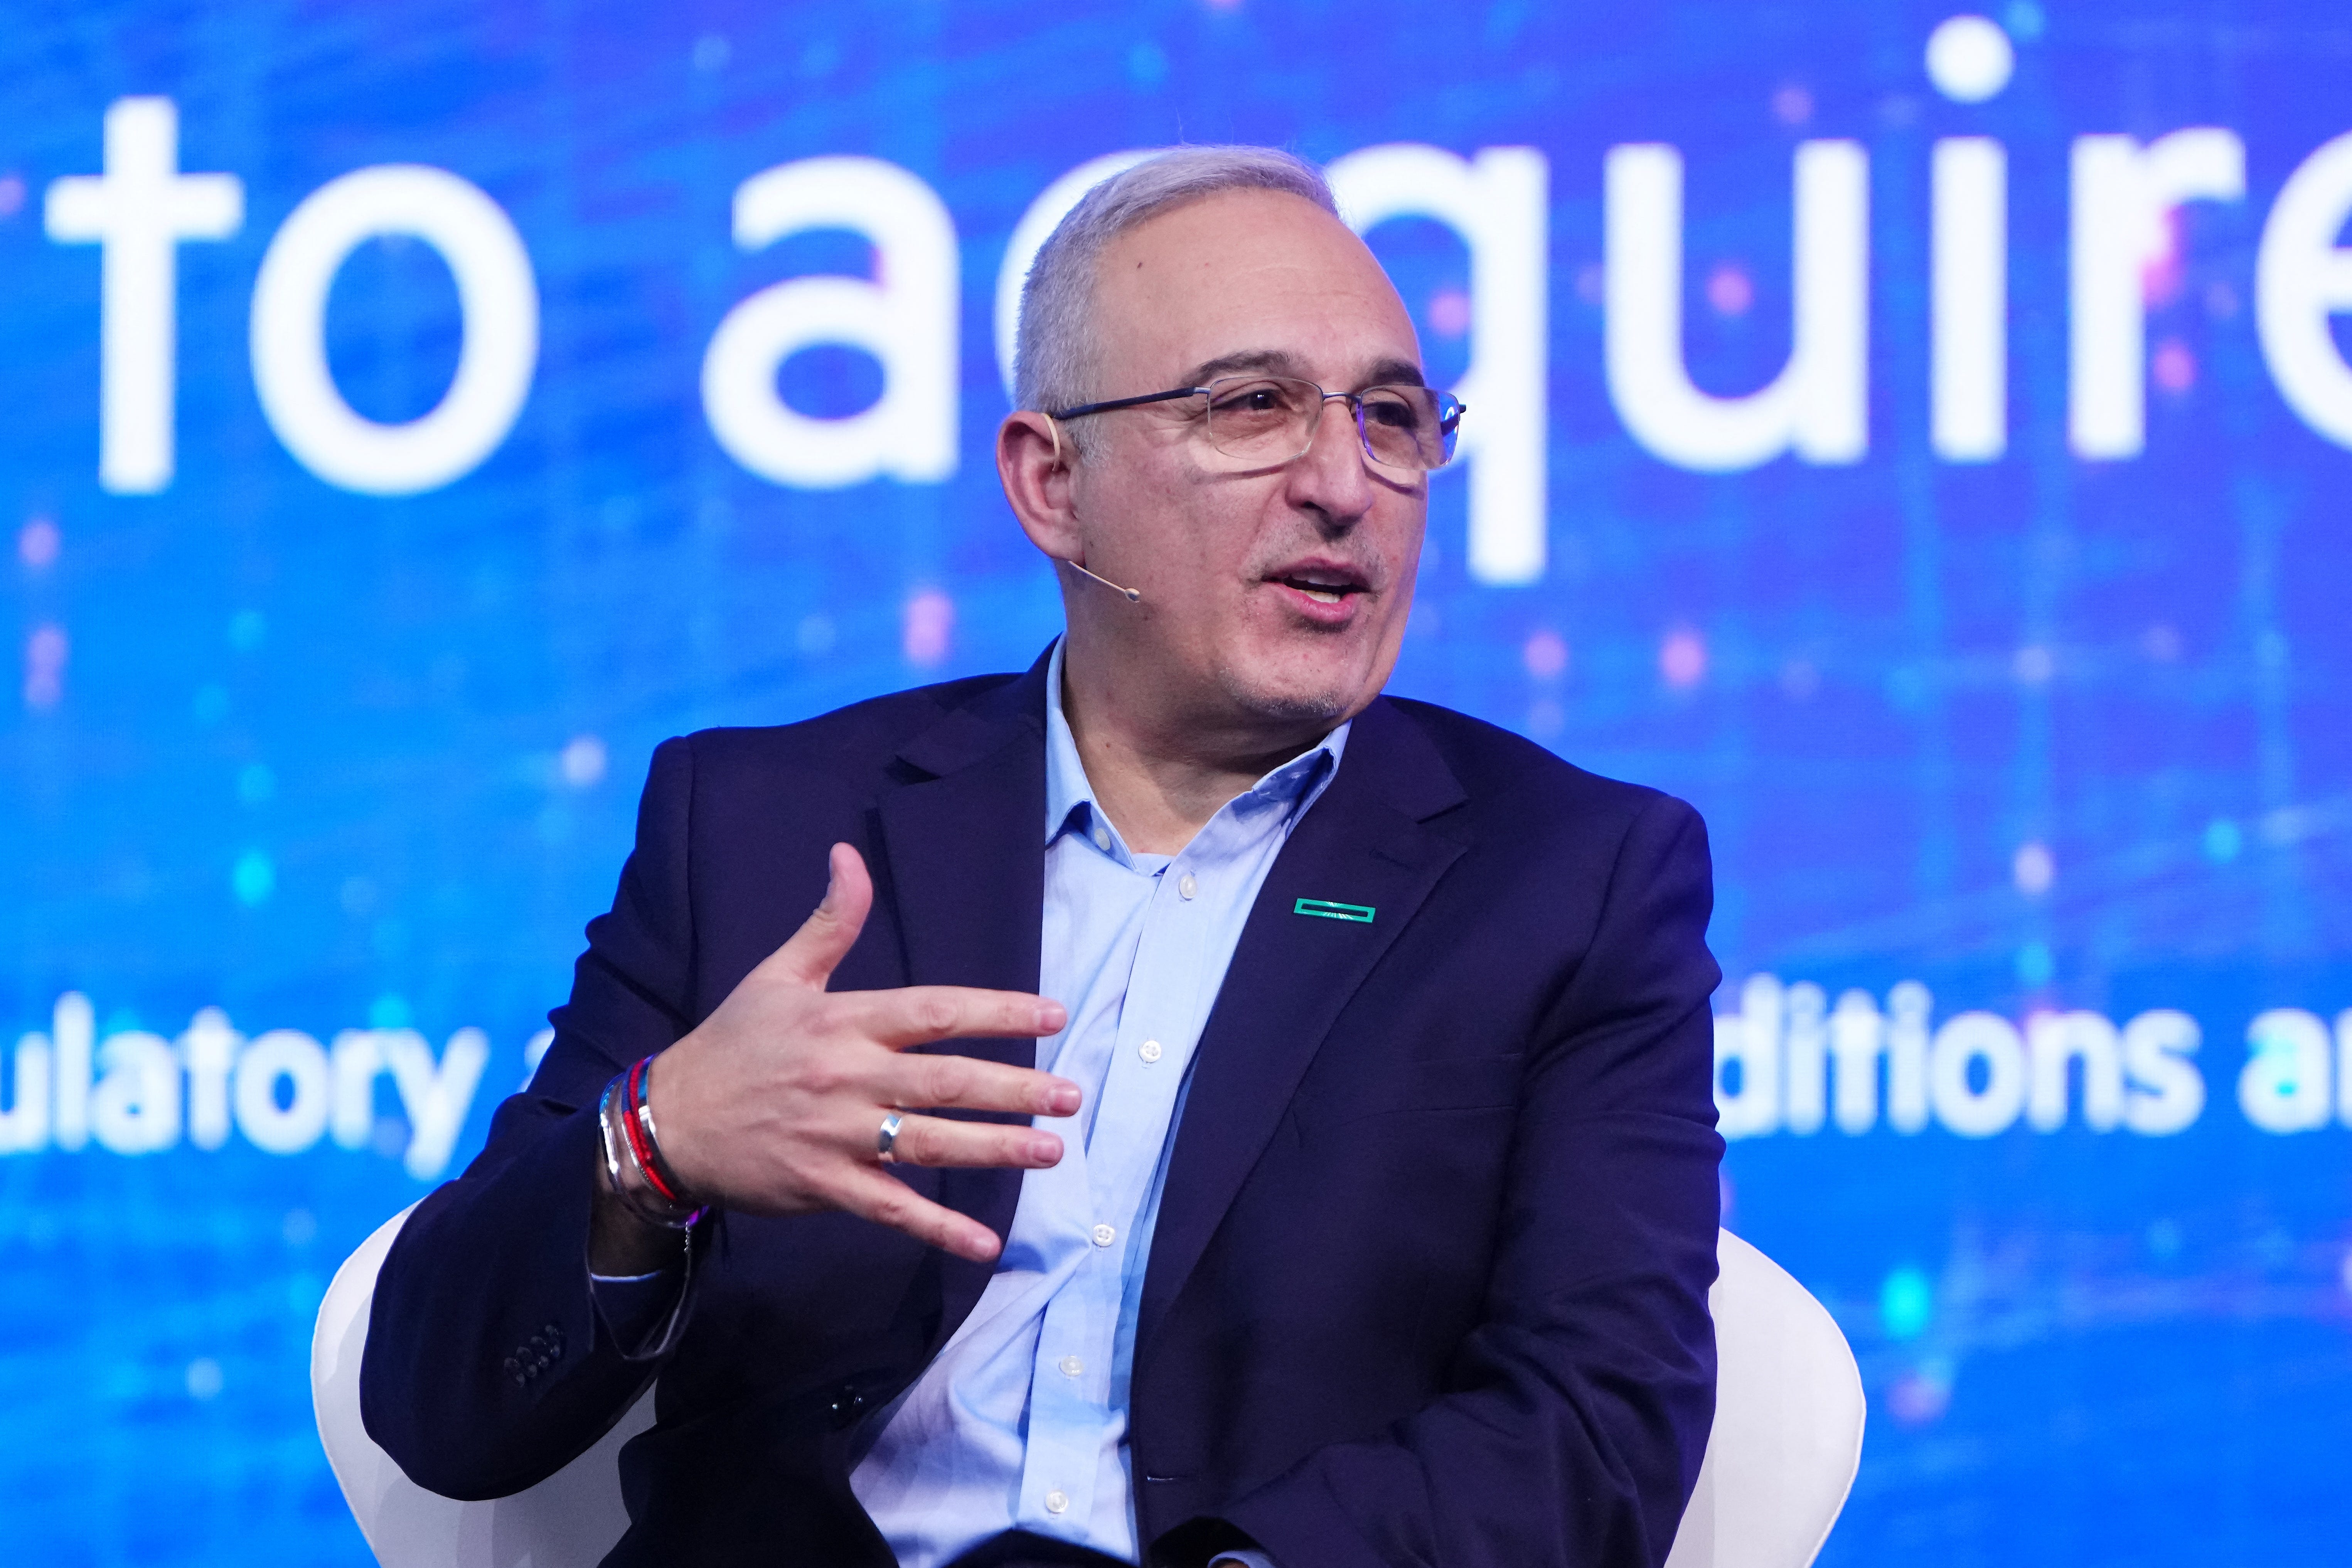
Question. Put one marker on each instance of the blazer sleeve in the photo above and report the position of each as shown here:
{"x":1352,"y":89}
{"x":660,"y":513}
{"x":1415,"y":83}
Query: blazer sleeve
{"x":1578,"y":1410}
{"x":487,"y":1367}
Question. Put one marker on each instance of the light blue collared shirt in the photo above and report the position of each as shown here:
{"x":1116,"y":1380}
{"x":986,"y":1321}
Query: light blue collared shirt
{"x":1020,"y":1422}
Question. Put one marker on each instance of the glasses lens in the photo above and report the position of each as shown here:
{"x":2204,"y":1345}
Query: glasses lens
{"x":1268,"y":418}
{"x":1409,"y":426}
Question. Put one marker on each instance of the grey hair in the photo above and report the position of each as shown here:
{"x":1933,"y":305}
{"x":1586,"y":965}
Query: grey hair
{"x":1053,"y":357}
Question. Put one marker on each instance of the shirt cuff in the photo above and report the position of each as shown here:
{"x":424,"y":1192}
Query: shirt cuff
{"x":643,"y":1311}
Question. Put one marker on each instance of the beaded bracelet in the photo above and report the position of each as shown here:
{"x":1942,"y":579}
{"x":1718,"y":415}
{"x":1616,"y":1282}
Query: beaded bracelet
{"x":627,"y":1168}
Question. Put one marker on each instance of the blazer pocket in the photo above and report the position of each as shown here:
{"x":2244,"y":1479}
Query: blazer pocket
{"x":1416,"y":1088}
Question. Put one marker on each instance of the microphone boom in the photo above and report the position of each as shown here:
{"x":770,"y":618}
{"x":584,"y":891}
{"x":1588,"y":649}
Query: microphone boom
{"x":1132,"y":595}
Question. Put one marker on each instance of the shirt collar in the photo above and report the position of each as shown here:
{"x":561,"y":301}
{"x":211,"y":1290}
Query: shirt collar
{"x":1296,"y":782}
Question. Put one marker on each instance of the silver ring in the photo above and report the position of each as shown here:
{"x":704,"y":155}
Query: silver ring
{"x":887,"y":1139}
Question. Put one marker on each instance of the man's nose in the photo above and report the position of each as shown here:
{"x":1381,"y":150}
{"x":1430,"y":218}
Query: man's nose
{"x":1330,"y":475}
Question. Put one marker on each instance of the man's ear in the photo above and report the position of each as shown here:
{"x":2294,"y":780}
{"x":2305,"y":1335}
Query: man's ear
{"x":1033,"y":455}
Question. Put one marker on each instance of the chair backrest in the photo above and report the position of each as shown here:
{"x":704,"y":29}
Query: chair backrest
{"x":568,"y":1520}
{"x":1788,"y":1423}
{"x":1787,"y":1439}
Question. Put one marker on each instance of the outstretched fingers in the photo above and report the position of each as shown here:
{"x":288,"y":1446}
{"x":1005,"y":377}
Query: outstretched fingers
{"x":795,"y":1081}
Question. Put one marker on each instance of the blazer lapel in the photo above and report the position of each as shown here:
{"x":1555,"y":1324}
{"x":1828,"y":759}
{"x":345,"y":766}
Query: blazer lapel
{"x":962,"y":850}
{"x":1362,"y":843}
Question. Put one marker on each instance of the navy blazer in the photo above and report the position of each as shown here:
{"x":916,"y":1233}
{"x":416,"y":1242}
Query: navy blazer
{"x":1429,"y":1284}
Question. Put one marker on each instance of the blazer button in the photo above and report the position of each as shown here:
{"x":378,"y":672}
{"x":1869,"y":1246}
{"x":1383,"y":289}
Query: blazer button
{"x":848,"y":1405}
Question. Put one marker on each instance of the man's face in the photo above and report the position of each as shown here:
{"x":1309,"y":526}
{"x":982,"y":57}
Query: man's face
{"x":1271,"y":596}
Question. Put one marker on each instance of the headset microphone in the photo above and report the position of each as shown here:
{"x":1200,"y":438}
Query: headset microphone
{"x":1132,"y":595}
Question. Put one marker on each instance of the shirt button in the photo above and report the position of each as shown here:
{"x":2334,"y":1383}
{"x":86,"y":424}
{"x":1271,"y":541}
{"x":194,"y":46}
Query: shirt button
{"x":1071,"y":1367}
{"x":1186,"y":887}
{"x":1057,"y":1501}
{"x":1102,"y":839}
{"x":1105,"y":1234}
{"x":1150,"y":1050}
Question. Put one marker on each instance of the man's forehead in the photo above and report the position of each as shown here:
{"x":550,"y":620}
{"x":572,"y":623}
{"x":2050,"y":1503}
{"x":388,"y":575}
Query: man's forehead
{"x":1223,"y":238}
{"x":1256,"y":281}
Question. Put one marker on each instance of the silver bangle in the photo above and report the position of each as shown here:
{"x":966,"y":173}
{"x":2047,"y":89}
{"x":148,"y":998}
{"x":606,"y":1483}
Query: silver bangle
{"x":636,"y":1195}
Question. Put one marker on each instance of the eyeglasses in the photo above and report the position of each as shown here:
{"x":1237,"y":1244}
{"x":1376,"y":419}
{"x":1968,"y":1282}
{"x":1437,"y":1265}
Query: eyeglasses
{"x":1269,"y":420}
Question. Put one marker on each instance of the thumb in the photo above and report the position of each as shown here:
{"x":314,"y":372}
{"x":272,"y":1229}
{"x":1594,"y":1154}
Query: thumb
{"x":808,"y":956}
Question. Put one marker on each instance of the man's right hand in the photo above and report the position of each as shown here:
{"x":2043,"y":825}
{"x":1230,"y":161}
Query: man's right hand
{"x":773,"y":1104}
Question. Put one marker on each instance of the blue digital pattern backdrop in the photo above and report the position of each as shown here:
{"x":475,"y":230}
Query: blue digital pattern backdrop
{"x":2023,"y":753}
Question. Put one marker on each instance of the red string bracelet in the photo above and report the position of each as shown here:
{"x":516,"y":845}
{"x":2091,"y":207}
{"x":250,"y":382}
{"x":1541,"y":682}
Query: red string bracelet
{"x":637,"y":1194}
{"x":636,"y":1125}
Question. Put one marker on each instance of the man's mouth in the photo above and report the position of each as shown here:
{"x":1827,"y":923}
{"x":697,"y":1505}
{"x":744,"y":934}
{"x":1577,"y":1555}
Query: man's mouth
{"x":1323,"y":587}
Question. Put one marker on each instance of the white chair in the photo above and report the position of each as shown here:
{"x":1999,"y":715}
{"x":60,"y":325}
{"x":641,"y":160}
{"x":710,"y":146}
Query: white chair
{"x":1788,"y":1423}
{"x":568,"y":1520}
{"x":1787,"y":1439}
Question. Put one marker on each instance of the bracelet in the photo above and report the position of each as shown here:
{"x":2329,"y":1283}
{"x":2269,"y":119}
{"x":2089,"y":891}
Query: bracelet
{"x":629,"y":1176}
{"x":627,"y":1168}
{"x":638,"y":1122}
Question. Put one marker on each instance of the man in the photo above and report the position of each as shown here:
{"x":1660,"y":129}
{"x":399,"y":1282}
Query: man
{"x":1214,"y":1111}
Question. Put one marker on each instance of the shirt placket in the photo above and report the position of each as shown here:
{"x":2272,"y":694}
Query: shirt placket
{"x":1070,"y":1386}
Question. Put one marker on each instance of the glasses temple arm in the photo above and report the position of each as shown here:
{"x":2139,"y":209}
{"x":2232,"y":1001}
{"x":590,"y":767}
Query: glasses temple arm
{"x":1086,"y":408}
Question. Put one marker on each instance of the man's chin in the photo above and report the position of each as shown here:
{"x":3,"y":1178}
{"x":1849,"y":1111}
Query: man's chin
{"x":1299,"y":698}
{"x":1292,"y":679}
{"x":1297,"y":709}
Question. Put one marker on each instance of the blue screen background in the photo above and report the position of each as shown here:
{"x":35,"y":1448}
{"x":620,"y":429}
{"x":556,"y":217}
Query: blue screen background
{"x":2041,"y":732}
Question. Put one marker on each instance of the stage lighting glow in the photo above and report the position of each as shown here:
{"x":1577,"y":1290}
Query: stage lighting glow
{"x":1969,"y":58}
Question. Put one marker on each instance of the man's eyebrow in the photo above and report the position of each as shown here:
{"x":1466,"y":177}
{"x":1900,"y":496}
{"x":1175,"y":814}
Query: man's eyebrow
{"x":1278,"y":361}
{"x":1270,"y":362}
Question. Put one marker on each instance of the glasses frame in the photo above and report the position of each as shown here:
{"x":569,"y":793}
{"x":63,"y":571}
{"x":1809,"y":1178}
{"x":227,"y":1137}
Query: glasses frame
{"x":1450,"y":410}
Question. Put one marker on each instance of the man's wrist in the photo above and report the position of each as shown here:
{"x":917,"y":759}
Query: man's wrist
{"x":632,"y":1229}
{"x":638,"y":1310}
{"x":633,"y":1154}
{"x":620,"y":1242}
